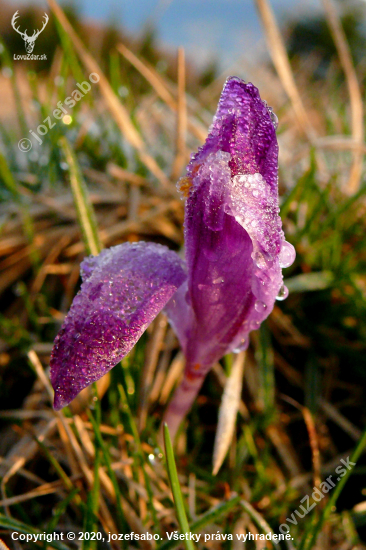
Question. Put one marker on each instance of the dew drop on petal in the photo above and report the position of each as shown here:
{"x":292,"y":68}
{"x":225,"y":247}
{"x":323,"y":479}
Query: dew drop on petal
{"x":260,"y":306}
{"x":241,"y":346}
{"x":273,"y":117}
{"x":259,"y":260}
{"x":287,"y":254}
{"x":282,"y":293}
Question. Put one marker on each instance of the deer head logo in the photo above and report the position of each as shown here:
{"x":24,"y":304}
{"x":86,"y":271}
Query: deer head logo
{"x":29,"y":40}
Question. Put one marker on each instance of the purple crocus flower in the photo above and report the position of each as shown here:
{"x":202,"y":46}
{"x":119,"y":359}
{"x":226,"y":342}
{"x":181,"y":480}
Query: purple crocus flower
{"x":235,"y":249}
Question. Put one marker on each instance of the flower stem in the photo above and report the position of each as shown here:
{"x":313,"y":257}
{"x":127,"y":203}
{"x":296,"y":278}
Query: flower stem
{"x":182,"y":400}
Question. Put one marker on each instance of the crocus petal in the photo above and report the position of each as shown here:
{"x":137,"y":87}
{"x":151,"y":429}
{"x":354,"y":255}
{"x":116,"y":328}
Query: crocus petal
{"x":219,"y":275}
{"x":123,"y":290}
{"x":235,"y":246}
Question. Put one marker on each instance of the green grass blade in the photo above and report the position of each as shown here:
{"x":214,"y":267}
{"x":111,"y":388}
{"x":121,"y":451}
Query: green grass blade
{"x":140,"y":453}
{"x":69,"y":52}
{"x":265,"y":361}
{"x":343,"y":207}
{"x":256,"y":517}
{"x":335,"y":494}
{"x":297,"y":191}
{"x":7,"y":178}
{"x":14,"y":525}
{"x":60,"y":510}
{"x":306,"y":282}
{"x":92,"y":505}
{"x":308,"y":530}
{"x":8,"y":62}
{"x":85,"y":210}
{"x":215,"y":513}
{"x":112,"y":475}
{"x":209,"y":517}
{"x":60,"y":471}
{"x":11,"y":184}
{"x":114,"y":71}
{"x":175,"y":486}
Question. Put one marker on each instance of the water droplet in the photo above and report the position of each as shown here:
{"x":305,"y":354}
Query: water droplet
{"x":260,"y":306}
{"x":259,"y":260}
{"x":274,"y":117}
{"x":241,"y":346}
{"x":218,"y":280}
{"x":158,"y":454}
{"x":64,"y":165}
{"x":123,"y":91}
{"x":19,"y":289}
{"x":287,"y":254}
{"x":263,"y":277}
{"x":282,"y":293}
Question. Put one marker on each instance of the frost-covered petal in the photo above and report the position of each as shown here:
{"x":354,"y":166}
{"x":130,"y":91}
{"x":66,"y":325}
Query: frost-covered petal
{"x":244,"y":127}
{"x":233,"y":232}
{"x":235,"y":246}
{"x":218,"y":295}
{"x":123,"y":290}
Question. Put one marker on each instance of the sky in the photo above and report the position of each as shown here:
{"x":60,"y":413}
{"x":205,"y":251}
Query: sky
{"x":225,"y":30}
